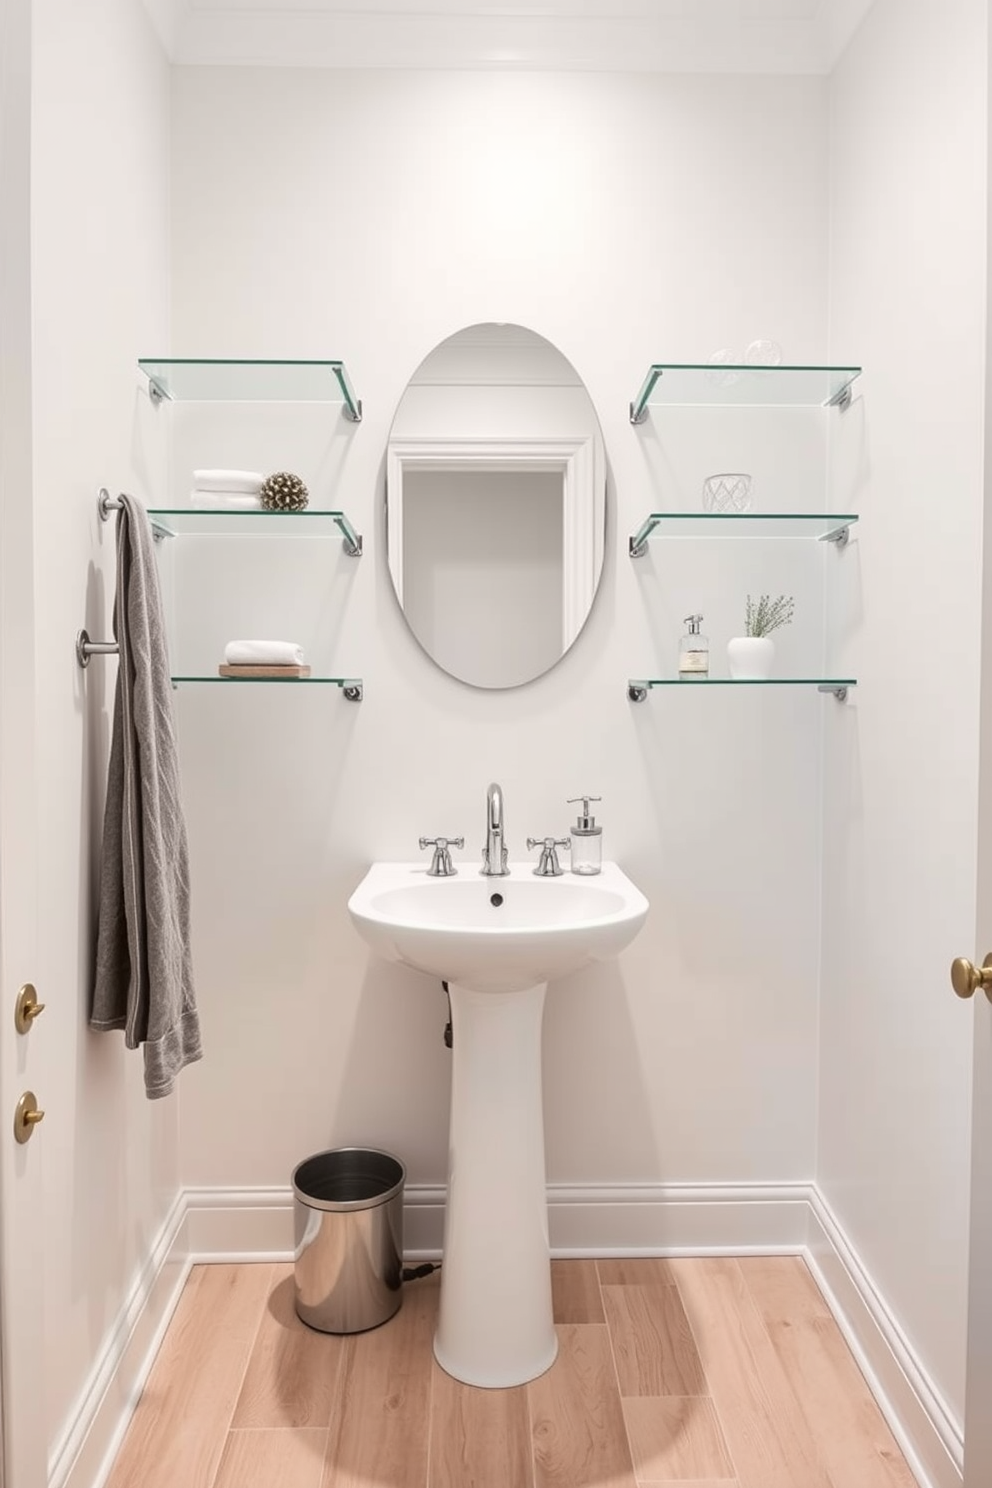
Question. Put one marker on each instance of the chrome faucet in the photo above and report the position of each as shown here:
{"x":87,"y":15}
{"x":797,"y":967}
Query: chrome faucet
{"x":494,"y":853}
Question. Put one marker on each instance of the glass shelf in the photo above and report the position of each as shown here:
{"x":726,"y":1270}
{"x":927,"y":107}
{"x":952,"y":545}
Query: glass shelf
{"x":201,"y":521}
{"x":819,"y":526}
{"x":212,"y":379}
{"x":639,"y":687}
{"x":352,"y":687}
{"x":721,"y":385}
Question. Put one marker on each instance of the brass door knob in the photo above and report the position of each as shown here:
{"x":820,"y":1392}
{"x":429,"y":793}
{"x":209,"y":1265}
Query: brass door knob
{"x":27,"y":1116}
{"x":26,"y":1008}
{"x":967,"y":978}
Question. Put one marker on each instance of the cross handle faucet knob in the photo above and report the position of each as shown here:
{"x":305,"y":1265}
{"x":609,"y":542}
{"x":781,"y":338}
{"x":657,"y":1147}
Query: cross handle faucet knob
{"x":441,"y":864}
{"x":548,"y":865}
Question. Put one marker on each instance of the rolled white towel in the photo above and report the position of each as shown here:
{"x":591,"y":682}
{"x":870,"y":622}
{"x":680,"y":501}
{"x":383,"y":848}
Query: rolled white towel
{"x":248,"y":482}
{"x":263,"y":653}
{"x":225,"y":500}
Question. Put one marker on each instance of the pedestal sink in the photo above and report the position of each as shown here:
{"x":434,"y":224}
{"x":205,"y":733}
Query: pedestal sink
{"x":497,"y":942}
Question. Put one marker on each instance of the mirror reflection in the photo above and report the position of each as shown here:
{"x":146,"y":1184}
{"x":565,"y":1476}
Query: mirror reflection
{"x":495,"y":505}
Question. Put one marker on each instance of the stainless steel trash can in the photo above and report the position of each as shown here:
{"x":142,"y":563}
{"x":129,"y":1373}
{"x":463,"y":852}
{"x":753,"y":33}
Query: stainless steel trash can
{"x":348,"y":1216}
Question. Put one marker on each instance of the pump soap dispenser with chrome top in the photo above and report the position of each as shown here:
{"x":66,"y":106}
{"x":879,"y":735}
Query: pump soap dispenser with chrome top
{"x":694,"y":652}
{"x":587,"y":839}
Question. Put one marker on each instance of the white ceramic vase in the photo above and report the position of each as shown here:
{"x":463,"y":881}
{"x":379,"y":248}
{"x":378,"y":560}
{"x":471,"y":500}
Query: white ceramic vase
{"x":750,"y":658}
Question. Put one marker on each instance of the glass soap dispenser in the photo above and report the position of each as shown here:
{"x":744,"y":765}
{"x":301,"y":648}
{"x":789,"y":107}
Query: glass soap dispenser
{"x":587,"y":839}
{"x":694,"y":651}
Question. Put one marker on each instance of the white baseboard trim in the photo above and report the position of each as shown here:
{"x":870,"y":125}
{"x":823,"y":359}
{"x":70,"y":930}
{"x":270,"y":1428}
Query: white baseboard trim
{"x":84,"y":1455}
{"x":239,"y":1224}
{"x":611,"y":1219}
{"x":256,"y":1224}
{"x":919,"y":1417}
{"x":678,"y":1219}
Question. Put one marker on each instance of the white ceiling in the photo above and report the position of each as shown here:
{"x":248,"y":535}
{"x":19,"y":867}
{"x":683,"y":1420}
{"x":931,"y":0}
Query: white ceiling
{"x":771,"y":36}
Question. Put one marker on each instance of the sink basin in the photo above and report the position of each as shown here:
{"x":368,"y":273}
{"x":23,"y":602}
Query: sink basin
{"x":508,"y":936}
{"x":496,"y":934}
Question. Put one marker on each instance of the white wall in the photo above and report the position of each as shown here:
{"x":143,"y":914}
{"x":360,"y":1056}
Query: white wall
{"x":628,"y":220}
{"x":100,"y":254}
{"x":900,"y":804}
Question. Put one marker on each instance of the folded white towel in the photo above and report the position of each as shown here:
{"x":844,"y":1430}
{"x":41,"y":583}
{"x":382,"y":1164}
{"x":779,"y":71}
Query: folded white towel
{"x":246,"y":481}
{"x":268,"y":653}
{"x":225,"y":500}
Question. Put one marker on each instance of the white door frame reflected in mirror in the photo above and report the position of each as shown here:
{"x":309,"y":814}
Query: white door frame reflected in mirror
{"x":573,"y":458}
{"x":500,"y":401}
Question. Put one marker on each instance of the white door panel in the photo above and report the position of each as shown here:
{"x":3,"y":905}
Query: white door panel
{"x":21,"y":1239}
{"x":978,"y":1403}
{"x":978,"y":1395}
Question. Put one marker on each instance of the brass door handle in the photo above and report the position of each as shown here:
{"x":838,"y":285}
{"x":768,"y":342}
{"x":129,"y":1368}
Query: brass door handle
{"x":26,"y":1116}
{"x":26,"y":1008}
{"x":967,"y":978}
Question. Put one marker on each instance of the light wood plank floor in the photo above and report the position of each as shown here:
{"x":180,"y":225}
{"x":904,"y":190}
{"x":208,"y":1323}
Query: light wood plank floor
{"x":712,"y":1373}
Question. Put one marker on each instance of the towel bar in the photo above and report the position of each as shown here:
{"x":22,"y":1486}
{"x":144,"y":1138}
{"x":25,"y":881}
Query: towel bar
{"x":106,"y":504}
{"x":85,"y":648}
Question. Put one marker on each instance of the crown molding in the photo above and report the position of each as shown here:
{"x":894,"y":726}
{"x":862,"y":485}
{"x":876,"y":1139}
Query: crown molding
{"x":711,"y":36}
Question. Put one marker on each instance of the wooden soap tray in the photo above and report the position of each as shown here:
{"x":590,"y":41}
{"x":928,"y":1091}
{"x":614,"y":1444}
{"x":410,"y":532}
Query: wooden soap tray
{"x":286,"y":672}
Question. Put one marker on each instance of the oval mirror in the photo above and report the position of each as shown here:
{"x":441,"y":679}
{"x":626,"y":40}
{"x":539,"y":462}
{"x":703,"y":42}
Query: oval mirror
{"x":495,"y":505}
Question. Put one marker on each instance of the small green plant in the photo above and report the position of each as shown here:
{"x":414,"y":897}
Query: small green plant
{"x":766,"y":614}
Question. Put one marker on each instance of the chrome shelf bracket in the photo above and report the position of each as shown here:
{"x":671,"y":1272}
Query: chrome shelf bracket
{"x":639,"y":407}
{"x":352,"y":539}
{"x":353,"y":690}
{"x":352,"y":405}
{"x":840,"y":693}
{"x":840,"y":538}
{"x":638,"y":544}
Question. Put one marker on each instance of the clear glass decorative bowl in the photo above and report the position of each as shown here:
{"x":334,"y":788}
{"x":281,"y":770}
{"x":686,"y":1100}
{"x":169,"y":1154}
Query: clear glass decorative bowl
{"x":727,"y":492}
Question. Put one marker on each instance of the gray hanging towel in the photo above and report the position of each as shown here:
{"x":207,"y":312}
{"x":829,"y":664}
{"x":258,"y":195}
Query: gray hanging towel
{"x":144,"y":978}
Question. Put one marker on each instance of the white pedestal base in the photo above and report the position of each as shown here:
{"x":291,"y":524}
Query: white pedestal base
{"x":495,"y":1327}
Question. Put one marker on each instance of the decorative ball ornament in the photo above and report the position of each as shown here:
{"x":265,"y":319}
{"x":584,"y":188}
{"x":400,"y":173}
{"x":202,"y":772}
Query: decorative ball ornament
{"x":284,"y":492}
